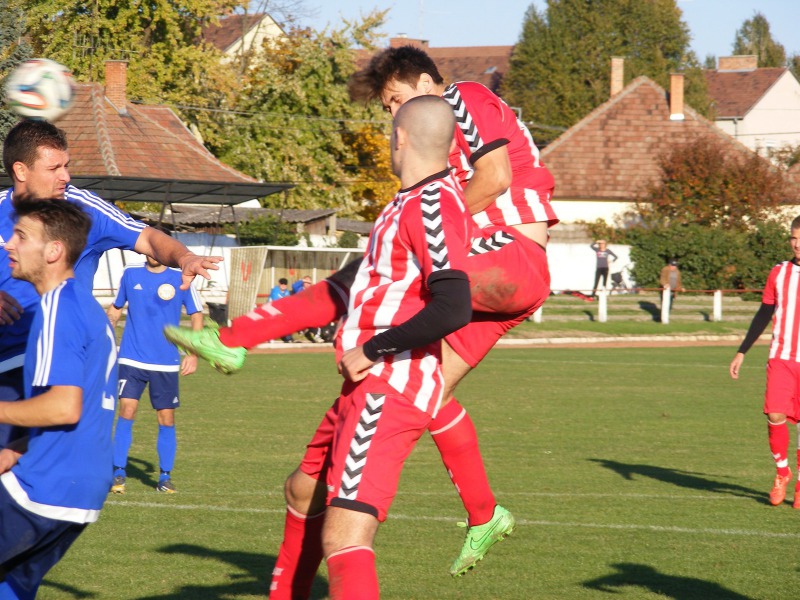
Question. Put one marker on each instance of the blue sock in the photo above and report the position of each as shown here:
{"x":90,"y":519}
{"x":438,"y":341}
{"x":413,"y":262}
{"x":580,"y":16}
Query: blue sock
{"x":123,"y":436}
{"x":167,"y":445}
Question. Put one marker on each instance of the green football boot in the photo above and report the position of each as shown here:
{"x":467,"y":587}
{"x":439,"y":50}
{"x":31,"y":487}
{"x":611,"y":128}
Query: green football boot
{"x":480,"y":538}
{"x":205,"y":344}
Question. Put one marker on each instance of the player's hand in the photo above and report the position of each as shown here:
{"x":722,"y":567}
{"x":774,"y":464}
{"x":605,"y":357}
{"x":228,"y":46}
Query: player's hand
{"x":736,"y":363}
{"x":354,"y":364}
{"x":192,"y":265}
{"x":10,"y":309}
{"x":188,"y":364}
{"x":8,"y":458}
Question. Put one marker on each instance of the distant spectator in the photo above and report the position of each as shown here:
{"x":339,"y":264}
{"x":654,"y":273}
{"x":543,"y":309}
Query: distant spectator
{"x":281,"y":291}
{"x":601,"y":270}
{"x":671,"y":280}
{"x":301,"y":284}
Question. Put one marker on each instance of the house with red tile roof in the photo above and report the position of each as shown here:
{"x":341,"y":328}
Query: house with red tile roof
{"x":758,"y":107}
{"x":144,"y":153}
{"x":484,"y":64}
{"x":607,"y":161}
{"x":239,"y":34}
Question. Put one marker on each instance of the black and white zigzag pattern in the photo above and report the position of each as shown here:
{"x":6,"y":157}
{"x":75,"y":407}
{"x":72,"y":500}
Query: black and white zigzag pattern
{"x":463,"y":118}
{"x":357,"y":457}
{"x":494,"y":242}
{"x":434,"y":233}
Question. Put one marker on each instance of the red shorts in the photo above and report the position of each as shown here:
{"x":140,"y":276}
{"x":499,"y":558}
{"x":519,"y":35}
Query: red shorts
{"x":361,"y":445}
{"x":509,"y":280}
{"x":783,"y":389}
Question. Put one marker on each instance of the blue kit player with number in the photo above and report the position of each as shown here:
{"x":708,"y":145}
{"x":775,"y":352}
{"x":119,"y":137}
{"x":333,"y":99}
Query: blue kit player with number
{"x":154,"y":298}
{"x":55,"y":478}
{"x":36,"y":157}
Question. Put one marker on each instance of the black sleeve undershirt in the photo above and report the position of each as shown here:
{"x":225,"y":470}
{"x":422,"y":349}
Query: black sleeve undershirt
{"x":449,"y":309}
{"x":757,"y":326}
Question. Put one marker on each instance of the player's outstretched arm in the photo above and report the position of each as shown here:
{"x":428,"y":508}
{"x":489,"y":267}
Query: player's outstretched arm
{"x":491,"y":177}
{"x":762,"y":318}
{"x":59,"y":405}
{"x":169,"y":251}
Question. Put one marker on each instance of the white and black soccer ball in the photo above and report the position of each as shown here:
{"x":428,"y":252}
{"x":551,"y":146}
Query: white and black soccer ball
{"x":40,"y":88}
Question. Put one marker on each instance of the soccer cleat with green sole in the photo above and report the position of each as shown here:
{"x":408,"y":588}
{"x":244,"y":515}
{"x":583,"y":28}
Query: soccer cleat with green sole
{"x":480,"y":538}
{"x":205,"y":343}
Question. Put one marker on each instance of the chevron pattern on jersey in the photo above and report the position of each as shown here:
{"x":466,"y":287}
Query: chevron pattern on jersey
{"x":357,"y":457}
{"x":434,"y":232}
{"x":463,"y":118}
{"x":494,"y":242}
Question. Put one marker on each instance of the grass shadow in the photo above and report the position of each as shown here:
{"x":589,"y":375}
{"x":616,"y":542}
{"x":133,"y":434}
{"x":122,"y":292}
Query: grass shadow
{"x":661,"y":584}
{"x":251,"y":579}
{"x":652,"y":309}
{"x":684,"y":479}
{"x":589,"y":314}
{"x":142,"y":470}
{"x":67,"y":590}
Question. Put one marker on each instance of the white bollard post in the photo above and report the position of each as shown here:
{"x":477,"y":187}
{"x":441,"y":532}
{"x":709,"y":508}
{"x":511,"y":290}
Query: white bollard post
{"x":602,"y":306}
{"x":665,"y":299}
{"x":537,"y":316}
{"x":718,"y":306}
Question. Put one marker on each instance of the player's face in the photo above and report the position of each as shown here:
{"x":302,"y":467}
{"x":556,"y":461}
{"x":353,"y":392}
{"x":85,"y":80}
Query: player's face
{"x":49,"y":175}
{"x":27,"y":250}
{"x":397,"y":93}
{"x":794,"y":240}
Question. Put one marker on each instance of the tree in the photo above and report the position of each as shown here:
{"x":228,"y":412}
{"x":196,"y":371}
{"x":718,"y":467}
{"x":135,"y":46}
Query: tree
{"x":560,"y":68}
{"x":266,"y":231}
{"x":704,"y":183}
{"x":13,"y":50}
{"x":161,"y":42}
{"x":754,"y":37}
{"x":294,"y":122}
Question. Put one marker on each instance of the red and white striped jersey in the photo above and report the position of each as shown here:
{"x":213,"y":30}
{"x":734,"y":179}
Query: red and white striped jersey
{"x":423,"y":230}
{"x":783,"y":291}
{"x":484,"y":123}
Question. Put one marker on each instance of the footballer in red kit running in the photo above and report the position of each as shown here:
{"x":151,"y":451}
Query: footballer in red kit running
{"x":780,"y":305}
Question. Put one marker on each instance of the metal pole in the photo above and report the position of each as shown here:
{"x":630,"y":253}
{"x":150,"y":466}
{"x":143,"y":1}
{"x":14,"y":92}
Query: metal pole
{"x":718,"y":306}
{"x":602,"y":306}
{"x":665,"y":301}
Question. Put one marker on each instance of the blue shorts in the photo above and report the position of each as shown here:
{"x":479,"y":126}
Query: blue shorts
{"x":29,"y":546}
{"x":163,"y":386}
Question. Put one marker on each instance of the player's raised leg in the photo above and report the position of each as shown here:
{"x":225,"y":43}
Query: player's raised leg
{"x":226,"y":348}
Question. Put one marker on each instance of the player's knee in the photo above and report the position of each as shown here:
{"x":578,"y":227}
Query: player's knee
{"x":776,"y":418}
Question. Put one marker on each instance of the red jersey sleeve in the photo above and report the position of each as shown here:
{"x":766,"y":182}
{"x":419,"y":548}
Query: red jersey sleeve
{"x":770,"y":293}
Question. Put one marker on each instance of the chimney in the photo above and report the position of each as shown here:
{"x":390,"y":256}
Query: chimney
{"x":676,"y":97}
{"x":743,"y":62}
{"x":116,"y":78}
{"x":617,"y":75}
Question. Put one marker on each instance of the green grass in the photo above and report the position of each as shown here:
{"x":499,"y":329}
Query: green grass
{"x":641,"y":473}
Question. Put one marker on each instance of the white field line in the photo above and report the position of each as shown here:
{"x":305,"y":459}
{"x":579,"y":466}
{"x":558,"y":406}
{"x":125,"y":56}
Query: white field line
{"x":568,"y":525}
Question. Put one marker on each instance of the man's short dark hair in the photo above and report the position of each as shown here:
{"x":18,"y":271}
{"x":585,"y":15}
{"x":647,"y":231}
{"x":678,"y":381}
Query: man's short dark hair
{"x":283,"y":281}
{"x":61,"y":220}
{"x":404,"y":64}
{"x":796,"y":223}
{"x":24,"y":140}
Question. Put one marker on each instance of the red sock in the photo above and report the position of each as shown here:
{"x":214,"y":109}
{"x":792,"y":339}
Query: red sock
{"x":455,"y":437}
{"x":352,"y":574}
{"x":317,"y":306}
{"x":298,"y":558}
{"x":779,"y":446}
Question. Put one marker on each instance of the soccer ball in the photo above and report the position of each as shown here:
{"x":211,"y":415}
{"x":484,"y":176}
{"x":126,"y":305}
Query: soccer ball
{"x":40,"y":89}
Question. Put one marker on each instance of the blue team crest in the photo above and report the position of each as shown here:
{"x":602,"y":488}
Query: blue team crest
{"x":166,"y":291}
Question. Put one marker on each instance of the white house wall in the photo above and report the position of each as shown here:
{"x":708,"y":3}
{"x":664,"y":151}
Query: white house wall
{"x":774,"y":121}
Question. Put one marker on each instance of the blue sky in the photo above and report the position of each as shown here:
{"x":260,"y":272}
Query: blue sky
{"x":713,"y":23}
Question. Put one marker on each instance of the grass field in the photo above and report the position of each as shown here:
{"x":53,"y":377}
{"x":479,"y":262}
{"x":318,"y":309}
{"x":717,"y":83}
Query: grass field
{"x":637,"y":473}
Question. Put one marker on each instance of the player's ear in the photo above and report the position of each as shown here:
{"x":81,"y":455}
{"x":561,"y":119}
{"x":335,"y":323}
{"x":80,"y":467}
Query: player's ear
{"x":54,"y":250}
{"x":425,"y":84}
{"x":20,"y":171}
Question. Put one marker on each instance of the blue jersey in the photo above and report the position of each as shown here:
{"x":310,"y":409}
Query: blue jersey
{"x":154,"y":300}
{"x":111,"y":228}
{"x":277,"y":293}
{"x":66,"y":472}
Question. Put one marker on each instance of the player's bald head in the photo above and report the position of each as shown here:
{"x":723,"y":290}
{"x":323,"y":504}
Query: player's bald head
{"x":429,"y":124}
